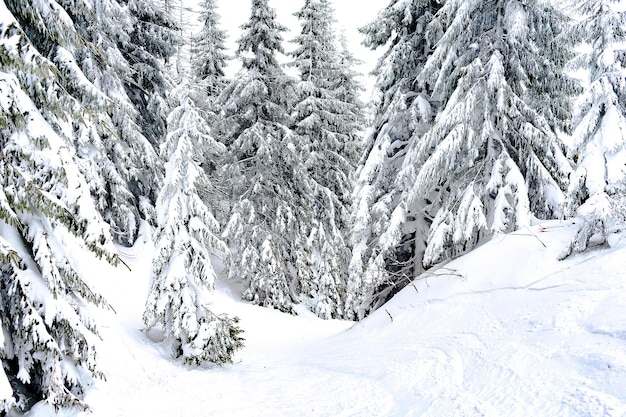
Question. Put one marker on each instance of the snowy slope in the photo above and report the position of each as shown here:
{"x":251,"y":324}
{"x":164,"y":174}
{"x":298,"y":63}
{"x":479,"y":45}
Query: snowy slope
{"x":506,"y":330}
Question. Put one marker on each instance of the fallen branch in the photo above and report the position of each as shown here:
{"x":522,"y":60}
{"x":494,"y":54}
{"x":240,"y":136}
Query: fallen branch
{"x":389,"y":314}
{"x":535,"y":235}
{"x":439,"y":272}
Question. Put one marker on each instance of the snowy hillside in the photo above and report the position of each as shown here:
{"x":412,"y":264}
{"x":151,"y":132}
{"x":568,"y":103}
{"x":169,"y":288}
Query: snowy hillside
{"x":506,"y":330}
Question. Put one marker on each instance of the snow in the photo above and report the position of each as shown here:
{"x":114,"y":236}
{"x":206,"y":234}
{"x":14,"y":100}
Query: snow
{"x":504,"y":330}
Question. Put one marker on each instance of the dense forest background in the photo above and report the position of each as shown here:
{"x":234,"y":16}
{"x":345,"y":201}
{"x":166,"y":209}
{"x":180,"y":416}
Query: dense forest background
{"x":487,"y":116}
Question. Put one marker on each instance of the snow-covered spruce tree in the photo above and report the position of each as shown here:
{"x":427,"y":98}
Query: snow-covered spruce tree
{"x":152,"y":41}
{"x":184,"y":241}
{"x":324,"y":123}
{"x":118,"y":162}
{"x":47,"y":223}
{"x":268,"y":222}
{"x":209,"y":57}
{"x":598,"y":186}
{"x":492,"y":160}
{"x":261,"y":74}
{"x":348,"y":90}
{"x":328,"y":112}
{"x":388,"y":236}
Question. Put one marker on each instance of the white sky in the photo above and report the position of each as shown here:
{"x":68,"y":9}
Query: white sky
{"x":350,"y":15}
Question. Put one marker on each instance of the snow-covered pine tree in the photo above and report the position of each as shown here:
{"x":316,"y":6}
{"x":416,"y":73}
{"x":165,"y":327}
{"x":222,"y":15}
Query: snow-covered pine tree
{"x":493,"y":158}
{"x":270,"y":189}
{"x":388,"y":236}
{"x":118,"y":162}
{"x":598,"y":186}
{"x":328,"y":112}
{"x":261,"y":74}
{"x":348,"y":90}
{"x":209,"y":57}
{"x":328,"y":130}
{"x":153,"y":40}
{"x":48,"y":222}
{"x":184,"y":242}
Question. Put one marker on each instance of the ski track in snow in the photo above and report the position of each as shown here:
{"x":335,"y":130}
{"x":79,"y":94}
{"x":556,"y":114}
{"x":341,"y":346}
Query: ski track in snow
{"x":512,"y":332}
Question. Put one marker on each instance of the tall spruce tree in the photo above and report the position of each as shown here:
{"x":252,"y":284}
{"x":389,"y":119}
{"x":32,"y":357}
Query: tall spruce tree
{"x":185,"y":239}
{"x":209,"y":57}
{"x":348,"y":90}
{"x":154,"y":38}
{"x":261,"y":74}
{"x":326,"y":123}
{"x":328,"y":112}
{"x":465,"y":141}
{"x":492,"y":160}
{"x":598,"y":185}
{"x":266,"y":231}
{"x":120,"y":165}
{"x":48,"y":219}
{"x":389,"y":236}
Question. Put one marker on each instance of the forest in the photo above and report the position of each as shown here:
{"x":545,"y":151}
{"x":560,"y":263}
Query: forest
{"x":487,"y":117}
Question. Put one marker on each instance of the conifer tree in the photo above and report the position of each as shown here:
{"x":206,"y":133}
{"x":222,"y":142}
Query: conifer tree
{"x":152,"y":41}
{"x":48,"y":220}
{"x":263,"y":169}
{"x":328,"y":112}
{"x":388,"y":236}
{"x":209,"y":50}
{"x":492,"y":160}
{"x":117,"y":160}
{"x":185,"y":239}
{"x":348,"y":90}
{"x":465,"y":141}
{"x":261,"y":74}
{"x":598,"y":185}
{"x":325,"y":118}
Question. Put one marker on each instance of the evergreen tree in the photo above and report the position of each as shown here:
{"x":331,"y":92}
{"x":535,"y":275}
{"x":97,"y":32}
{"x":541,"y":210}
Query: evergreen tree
{"x":209,"y":50}
{"x":118,"y":162}
{"x":598,"y":185}
{"x":328,"y":112}
{"x":348,"y":90}
{"x":388,"y":235}
{"x":327,"y":127}
{"x":266,"y":231}
{"x":261,"y":91}
{"x":48,"y":220}
{"x":464,"y":142}
{"x":152,"y":41}
{"x":184,"y":241}
{"x":492,"y":160}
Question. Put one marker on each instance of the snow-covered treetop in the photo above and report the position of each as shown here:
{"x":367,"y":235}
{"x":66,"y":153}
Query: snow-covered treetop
{"x":210,"y":57}
{"x":261,"y":39}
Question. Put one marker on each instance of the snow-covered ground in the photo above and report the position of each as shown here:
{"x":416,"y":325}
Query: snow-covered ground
{"x":506,"y":330}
